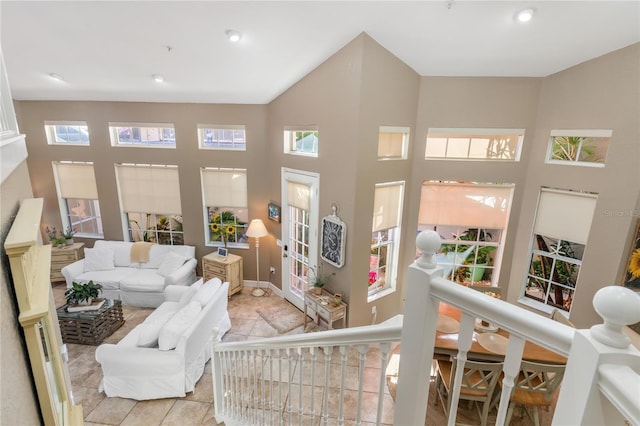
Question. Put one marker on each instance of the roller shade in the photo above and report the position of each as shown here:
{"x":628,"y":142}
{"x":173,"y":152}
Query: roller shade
{"x":76,"y":181}
{"x":149,"y":189}
{"x":477,"y":206}
{"x":224,"y":188}
{"x":387,"y":206}
{"x":299,"y":195}
{"x":565,"y":215}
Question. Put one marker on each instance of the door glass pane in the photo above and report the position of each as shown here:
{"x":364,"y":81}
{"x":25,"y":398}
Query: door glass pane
{"x":299,"y":253}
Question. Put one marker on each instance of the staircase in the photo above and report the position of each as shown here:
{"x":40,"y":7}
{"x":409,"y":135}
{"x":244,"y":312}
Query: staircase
{"x":322,"y":377}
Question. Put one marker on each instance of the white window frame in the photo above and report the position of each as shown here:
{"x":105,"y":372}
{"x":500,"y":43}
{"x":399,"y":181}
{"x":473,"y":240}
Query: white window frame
{"x":155,"y":217}
{"x":457,"y":133}
{"x":160,"y":127}
{"x":404,"y":150}
{"x":580,"y":133}
{"x":289,"y":139}
{"x":52,"y":139}
{"x":235,"y":146}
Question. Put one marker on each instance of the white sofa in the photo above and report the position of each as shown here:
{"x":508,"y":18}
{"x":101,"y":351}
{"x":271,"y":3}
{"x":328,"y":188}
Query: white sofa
{"x":141,"y":372}
{"x":136,"y":284}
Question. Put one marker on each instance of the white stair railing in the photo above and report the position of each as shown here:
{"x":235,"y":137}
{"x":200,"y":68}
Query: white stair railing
{"x":301,"y":379}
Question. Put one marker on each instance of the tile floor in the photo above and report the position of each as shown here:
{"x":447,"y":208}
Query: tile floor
{"x":197,"y":407}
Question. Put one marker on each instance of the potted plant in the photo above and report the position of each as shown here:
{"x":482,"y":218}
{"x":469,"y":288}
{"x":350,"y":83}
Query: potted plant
{"x":59,"y":242}
{"x":316,"y":279}
{"x":68,"y":235}
{"x":82,"y":294}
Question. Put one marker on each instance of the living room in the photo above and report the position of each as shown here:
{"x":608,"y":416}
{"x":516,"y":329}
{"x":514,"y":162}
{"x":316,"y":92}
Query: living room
{"x":346,"y":90}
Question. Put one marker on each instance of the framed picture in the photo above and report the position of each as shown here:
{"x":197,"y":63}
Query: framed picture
{"x":222,"y":252}
{"x":274,"y":212}
{"x":334,"y":235}
{"x":632,"y":270}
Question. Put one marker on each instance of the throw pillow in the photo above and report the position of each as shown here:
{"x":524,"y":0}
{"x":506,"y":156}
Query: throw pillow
{"x":206,"y":292}
{"x":177,"y":324}
{"x":98,"y":259}
{"x":148,"y":337}
{"x":171,"y":263}
{"x":189,"y":293}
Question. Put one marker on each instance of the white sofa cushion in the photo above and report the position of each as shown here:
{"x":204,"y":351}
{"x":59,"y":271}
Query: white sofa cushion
{"x":150,"y":330}
{"x":110,"y":280}
{"x":206,"y":292}
{"x":144,"y":280}
{"x":156,"y":256}
{"x":98,"y":259}
{"x":177,"y":324}
{"x":171,"y":263}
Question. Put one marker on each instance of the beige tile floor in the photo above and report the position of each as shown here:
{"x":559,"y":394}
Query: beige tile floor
{"x":197,"y":407}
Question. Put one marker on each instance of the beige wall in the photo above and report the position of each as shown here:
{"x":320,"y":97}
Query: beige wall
{"x":18,"y":400}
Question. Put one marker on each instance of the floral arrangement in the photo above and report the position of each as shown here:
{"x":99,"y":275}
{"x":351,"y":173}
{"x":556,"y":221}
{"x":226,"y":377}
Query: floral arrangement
{"x":224,"y":226}
{"x":373,"y":277}
{"x":69,"y":233}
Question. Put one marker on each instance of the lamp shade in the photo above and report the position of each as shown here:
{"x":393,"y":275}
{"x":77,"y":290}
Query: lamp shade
{"x":257,"y":229}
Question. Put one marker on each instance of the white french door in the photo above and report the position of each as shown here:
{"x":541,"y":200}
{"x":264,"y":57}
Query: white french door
{"x":299,"y":231}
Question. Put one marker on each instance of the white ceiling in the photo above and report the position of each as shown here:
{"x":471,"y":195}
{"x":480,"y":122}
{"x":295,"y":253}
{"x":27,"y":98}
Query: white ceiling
{"x":109,"y":50}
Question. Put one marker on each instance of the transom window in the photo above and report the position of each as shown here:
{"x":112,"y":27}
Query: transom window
{"x":560,"y":234}
{"x":78,"y":198}
{"x":143,"y":135}
{"x":301,"y":141}
{"x":224,"y":193}
{"x":474,"y":144}
{"x":471,"y":219}
{"x":67,"y":132}
{"x":215,"y":136}
{"x":393,"y":142}
{"x":579,"y":147}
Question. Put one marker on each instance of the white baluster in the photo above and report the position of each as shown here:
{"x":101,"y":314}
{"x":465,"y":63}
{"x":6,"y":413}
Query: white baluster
{"x":343,"y":373}
{"x":464,"y":344}
{"x":511,"y":369}
{"x":314,"y":359}
{"x":264,"y":395}
{"x":362,"y":356}
{"x":271,"y":388}
{"x":384,"y":352}
{"x":301,"y":369}
{"x":289,"y":409}
{"x":280,"y":403}
{"x":325,"y":401}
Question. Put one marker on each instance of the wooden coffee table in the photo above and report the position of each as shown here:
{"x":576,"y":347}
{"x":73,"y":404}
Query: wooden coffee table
{"x":90,"y":327}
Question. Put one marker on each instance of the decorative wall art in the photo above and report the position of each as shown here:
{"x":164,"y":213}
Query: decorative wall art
{"x":632,"y":271}
{"x":334,"y":235}
{"x":274,"y":212}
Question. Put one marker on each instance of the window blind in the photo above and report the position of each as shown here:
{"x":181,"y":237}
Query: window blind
{"x":387,"y":206}
{"x":76,"y":180}
{"x":149,"y":189}
{"x":299,"y":195}
{"x":224,"y":188}
{"x":565,"y":215}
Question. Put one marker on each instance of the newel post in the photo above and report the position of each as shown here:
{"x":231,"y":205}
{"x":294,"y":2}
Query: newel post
{"x":418,"y":334}
{"x":582,"y":399}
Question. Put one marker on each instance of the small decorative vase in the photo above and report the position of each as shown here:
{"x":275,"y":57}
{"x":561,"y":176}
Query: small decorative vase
{"x":69,"y":242}
{"x":317,"y":291}
{"x":337,"y":299}
{"x":87,"y":302}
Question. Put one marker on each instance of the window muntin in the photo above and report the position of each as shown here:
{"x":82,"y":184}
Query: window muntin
{"x":155,"y":228}
{"x":143,"y":135}
{"x":385,"y":239}
{"x":471,"y":219}
{"x":67,"y":132}
{"x":301,"y":142}
{"x":393,"y":142}
{"x":474,"y":144}
{"x":224,"y":194}
{"x":78,"y":198}
{"x":560,"y":234}
{"x":579,"y":147}
{"x":226,"y":137}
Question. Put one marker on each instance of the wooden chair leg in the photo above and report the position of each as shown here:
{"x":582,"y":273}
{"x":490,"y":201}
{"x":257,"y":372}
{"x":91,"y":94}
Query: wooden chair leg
{"x":536,"y":419}
{"x":509,"y":413}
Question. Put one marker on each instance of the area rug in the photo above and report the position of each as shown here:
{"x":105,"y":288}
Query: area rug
{"x":283,"y":318}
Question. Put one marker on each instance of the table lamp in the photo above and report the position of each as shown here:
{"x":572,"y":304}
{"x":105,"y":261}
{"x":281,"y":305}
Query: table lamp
{"x":257,"y":230}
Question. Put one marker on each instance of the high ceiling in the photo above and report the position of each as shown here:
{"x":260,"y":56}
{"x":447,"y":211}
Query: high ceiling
{"x":110,"y":50}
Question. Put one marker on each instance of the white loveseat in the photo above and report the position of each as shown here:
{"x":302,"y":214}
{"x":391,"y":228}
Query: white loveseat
{"x":164,"y":357}
{"x":134,"y":283}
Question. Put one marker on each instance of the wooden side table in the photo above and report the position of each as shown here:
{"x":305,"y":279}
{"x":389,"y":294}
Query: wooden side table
{"x":61,"y":257}
{"x":228,"y":269}
{"x":321,"y":305}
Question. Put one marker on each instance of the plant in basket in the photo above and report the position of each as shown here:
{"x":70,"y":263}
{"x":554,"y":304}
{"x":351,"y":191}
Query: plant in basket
{"x":82,"y":294}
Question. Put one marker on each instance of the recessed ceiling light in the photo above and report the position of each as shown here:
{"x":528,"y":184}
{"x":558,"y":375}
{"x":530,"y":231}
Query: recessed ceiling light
{"x":233,"y":36}
{"x":525,"y":15}
{"x":56,"y":77}
{"x":158,"y":78}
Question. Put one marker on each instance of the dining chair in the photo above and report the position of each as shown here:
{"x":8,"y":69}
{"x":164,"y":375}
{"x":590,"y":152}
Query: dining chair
{"x":478,"y":384}
{"x":556,"y":315}
{"x":535,"y":387}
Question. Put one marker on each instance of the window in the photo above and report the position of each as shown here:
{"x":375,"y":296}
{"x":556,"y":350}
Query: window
{"x":471,"y":219}
{"x":385,"y":239}
{"x":224,"y":193}
{"x":579,"y":147}
{"x":67,"y":132}
{"x":78,"y":198}
{"x":143,"y":135}
{"x":213,"y":136}
{"x":474,"y":144}
{"x":301,"y":141}
{"x":150,"y":202}
{"x":393,"y":143}
{"x":560,"y":234}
